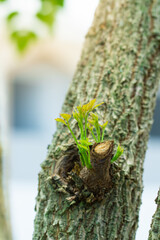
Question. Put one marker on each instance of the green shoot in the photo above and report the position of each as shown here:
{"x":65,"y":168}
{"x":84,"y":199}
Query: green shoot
{"x":103,"y":129}
{"x":94,"y":121}
{"x":65,"y":121}
{"x":81,"y":116}
{"x":85,"y":124}
{"x":84,"y":150}
{"x":118,"y":154}
{"x":90,"y":128}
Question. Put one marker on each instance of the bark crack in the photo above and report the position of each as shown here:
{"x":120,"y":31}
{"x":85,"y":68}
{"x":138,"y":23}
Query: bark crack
{"x":104,"y":48}
{"x":151,"y":22}
{"x":136,"y":58}
{"x":139,"y":46}
{"x":146,"y":77}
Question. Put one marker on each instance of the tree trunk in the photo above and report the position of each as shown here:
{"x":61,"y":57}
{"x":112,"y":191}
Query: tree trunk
{"x":119,"y":66}
{"x":154,"y":232}
{"x":5,"y":233}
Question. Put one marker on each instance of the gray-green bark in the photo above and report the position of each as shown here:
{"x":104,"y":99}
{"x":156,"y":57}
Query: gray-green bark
{"x":4,"y":225}
{"x":154,"y":232}
{"x":119,"y":65}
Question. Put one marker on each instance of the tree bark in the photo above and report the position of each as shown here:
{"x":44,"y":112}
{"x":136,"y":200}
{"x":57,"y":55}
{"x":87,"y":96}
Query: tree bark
{"x":118,"y":65}
{"x":154,"y":232}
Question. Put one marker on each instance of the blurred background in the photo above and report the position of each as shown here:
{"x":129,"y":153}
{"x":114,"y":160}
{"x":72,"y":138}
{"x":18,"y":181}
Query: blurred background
{"x":40,"y":44}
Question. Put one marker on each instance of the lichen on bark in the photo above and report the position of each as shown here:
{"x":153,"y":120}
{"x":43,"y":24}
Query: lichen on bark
{"x":118,"y":66}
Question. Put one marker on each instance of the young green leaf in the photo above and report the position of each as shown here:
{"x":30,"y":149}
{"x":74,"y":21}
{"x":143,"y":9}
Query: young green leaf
{"x":60,"y":120}
{"x":89,"y":106}
{"x":65,"y":116}
{"x":118,"y":153}
{"x":104,"y":125}
{"x":98,"y":105}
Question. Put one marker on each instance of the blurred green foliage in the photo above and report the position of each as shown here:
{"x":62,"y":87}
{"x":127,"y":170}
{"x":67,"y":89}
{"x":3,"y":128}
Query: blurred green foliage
{"x":48,"y":11}
{"x":55,"y":2}
{"x":46,"y":14}
{"x":23,"y":38}
{"x":11,"y":16}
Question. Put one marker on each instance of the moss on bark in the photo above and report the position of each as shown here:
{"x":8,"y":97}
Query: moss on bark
{"x":118,"y":65}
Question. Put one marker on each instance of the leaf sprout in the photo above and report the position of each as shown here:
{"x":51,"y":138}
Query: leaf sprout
{"x":118,"y":154}
{"x":87,"y":122}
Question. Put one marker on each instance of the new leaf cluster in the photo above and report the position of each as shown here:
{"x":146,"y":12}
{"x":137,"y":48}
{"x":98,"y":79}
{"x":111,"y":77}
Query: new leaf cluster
{"x":87,"y":122}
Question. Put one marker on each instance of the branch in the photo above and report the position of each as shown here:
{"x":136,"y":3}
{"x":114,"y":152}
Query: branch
{"x":118,"y":66}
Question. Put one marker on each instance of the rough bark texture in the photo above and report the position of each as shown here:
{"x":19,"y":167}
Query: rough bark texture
{"x":4,"y":225}
{"x":119,"y":65}
{"x":154,"y":232}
